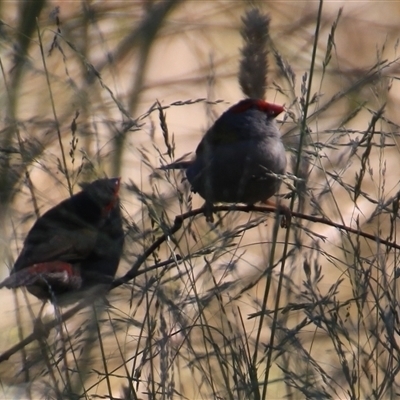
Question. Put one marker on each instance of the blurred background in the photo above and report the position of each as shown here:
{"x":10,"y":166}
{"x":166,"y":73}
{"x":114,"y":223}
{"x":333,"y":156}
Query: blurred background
{"x":79,"y":91}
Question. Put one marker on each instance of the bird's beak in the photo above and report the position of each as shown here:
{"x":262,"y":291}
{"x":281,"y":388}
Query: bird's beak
{"x":117,"y":185}
{"x":275,"y":109}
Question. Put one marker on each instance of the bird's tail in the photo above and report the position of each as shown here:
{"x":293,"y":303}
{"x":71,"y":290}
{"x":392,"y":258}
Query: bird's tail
{"x":180,"y":163}
{"x":177,"y":165}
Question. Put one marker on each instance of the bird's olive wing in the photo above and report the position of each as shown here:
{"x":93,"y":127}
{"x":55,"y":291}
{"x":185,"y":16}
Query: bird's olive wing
{"x":57,"y":235}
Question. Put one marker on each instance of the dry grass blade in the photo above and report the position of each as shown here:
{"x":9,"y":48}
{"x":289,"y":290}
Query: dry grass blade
{"x":253,"y":67}
{"x":238,"y":308}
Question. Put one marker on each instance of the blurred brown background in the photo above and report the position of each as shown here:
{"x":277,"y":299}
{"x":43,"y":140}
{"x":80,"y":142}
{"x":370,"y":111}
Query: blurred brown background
{"x":112,"y":61}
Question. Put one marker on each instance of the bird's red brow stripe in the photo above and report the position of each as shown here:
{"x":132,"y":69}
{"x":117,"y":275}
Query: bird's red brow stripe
{"x":111,"y":205}
{"x":262,"y":105}
{"x":243,"y":106}
{"x":52,"y":266}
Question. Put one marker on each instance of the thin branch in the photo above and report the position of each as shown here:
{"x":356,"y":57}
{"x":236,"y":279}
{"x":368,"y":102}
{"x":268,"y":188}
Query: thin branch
{"x":179,"y":219}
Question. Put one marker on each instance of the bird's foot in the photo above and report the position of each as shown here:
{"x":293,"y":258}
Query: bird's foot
{"x":208,"y":212}
{"x":40,"y":330}
{"x":284,"y":211}
{"x":286,"y":215}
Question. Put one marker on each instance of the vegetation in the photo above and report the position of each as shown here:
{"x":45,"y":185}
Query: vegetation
{"x":235,"y":309}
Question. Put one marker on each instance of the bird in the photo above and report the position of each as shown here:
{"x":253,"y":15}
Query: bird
{"x":240,"y":159}
{"x":73,"y":246}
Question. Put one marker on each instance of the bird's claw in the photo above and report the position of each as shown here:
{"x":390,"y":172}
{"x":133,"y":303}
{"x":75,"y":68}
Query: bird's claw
{"x":285,"y":212}
{"x":286,"y":216}
{"x":39,"y":329}
{"x":208,"y":212}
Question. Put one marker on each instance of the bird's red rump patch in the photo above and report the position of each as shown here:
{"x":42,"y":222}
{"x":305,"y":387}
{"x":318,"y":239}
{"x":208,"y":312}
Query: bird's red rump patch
{"x":59,"y":272}
{"x":269,"y":108}
{"x":52,"y":267}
